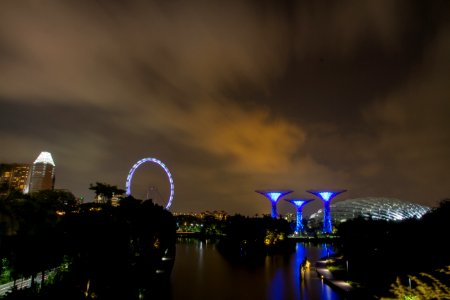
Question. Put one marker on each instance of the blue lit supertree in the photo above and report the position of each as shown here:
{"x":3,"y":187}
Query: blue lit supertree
{"x":274,"y":196}
{"x":326,"y":196}
{"x":299,"y":203}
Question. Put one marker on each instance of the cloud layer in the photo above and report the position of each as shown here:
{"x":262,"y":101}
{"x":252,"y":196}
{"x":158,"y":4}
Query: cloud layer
{"x":233,"y":96}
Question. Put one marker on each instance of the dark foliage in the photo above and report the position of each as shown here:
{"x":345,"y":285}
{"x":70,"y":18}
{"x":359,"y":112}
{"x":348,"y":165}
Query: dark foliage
{"x":111,"y":252}
{"x":247,"y":238}
{"x":379,"y":251}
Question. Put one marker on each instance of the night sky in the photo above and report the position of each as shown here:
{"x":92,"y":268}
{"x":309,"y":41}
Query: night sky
{"x":232,"y":96}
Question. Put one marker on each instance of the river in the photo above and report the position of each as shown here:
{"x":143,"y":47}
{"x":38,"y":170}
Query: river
{"x":201,"y":272}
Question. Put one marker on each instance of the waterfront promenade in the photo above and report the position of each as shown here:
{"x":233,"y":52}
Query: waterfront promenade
{"x":329,"y":279}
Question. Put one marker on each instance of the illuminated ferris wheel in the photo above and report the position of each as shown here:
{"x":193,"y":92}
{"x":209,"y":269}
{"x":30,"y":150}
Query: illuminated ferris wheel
{"x":159,"y":163}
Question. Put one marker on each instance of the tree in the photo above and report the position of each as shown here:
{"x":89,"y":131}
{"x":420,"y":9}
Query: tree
{"x":65,"y":200}
{"x":426,"y":287}
{"x":105,"y":190}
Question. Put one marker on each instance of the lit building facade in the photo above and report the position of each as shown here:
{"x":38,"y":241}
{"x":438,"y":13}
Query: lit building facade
{"x":14,"y":176}
{"x":42,"y":175}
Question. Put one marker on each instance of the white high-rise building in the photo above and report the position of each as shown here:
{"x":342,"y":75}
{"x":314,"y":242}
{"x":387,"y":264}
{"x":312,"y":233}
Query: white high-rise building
{"x":42,"y":175}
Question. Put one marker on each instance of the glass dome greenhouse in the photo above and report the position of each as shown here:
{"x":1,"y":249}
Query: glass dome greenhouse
{"x":376,"y":208}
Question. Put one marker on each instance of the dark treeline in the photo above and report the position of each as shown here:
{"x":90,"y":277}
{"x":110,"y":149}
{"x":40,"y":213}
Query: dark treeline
{"x":241,"y":238}
{"x":252,"y":238}
{"x":100,"y":251}
{"x":379,"y":251}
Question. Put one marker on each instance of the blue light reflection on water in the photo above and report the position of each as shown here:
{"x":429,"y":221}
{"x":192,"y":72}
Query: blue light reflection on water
{"x":327,"y":250}
{"x":277,"y":286}
{"x":310,"y":286}
{"x":289,"y":282}
{"x":200,"y":272}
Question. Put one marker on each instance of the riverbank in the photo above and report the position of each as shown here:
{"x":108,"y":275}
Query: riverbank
{"x":314,"y":239}
{"x":300,"y":239}
{"x":339,"y":284}
{"x":329,"y":279}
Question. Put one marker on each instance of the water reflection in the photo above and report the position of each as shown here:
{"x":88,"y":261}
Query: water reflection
{"x":327,"y":250}
{"x":289,"y":282}
{"x":201,"y":272}
{"x":200,"y":254}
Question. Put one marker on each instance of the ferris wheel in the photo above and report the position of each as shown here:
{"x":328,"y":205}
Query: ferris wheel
{"x":157,"y":162}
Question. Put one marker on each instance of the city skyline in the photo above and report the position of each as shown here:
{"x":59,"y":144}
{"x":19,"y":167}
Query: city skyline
{"x":232,"y":97}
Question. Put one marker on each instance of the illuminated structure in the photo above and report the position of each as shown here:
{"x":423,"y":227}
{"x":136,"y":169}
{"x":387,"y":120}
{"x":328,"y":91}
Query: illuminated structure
{"x":376,"y":208}
{"x":159,"y":163}
{"x":14,"y":177}
{"x":274,"y":196}
{"x":299,"y":203}
{"x":42,"y":173}
{"x":326,"y":197}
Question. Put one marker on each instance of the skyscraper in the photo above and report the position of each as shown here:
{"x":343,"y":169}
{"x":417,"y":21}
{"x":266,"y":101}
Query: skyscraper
{"x":42,"y":173}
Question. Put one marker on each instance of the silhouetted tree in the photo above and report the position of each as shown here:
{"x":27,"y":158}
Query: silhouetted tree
{"x":105,"y":190}
{"x":253,"y":238}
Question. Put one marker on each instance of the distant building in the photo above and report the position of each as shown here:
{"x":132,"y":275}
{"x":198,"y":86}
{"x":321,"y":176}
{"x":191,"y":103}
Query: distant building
{"x":115,"y":199}
{"x":14,"y":176}
{"x":42,"y":175}
{"x":220,"y":215}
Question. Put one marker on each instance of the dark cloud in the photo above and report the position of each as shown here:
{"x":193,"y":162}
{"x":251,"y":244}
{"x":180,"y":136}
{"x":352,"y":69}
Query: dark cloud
{"x":232,"y":96}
